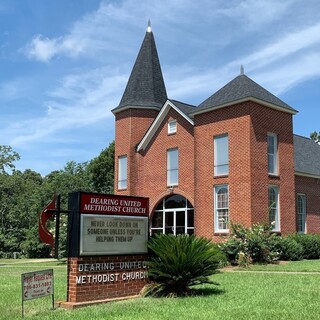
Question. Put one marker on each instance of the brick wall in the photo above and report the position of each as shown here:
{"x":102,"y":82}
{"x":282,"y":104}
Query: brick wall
{"x":118,"y":280}
{"x":148,"y":169}
{"x":130,"y":127}
{"x":247,"y":125}
{"x":152,"y":179}
{"x":235,"y":122}
{"x":311,"y":188}
{"x":264,"y":120}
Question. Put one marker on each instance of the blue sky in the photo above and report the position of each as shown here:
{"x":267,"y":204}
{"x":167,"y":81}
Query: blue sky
{"x":64,"y":64}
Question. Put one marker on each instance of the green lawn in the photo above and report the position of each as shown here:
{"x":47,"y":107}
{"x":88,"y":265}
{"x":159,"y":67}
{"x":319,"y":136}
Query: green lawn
{"x":241,"y":295}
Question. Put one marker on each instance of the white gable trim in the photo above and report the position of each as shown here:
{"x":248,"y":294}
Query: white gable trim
{"x":262,"y":102}
{"x":157,"y":122}
{"x":115,"y":111}
{"x":306,"y":175}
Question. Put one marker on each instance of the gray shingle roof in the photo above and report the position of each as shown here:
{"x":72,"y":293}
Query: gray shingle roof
{"x":184,"y":107}
{"x":241,"y":87}
{"x":306,"y":156}
{"x":145,"y":87}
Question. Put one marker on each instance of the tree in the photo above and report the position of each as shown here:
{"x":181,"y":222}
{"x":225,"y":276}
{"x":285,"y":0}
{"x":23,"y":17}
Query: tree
{"x":24,"y":194}
{"x":315,"y":136}
{"x":73,"y":177}
{"x":7,"y":157}
{"x":20,"y":201}
{"x":101,"y":169}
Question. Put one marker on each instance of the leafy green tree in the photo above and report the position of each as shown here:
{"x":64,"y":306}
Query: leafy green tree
{"x":24,"y":194}
{"x":73,"y":177}
{"x":20,"y":201}
{"x":7,"y":157}
{"x":101,"y":169}
{"x":315,"y":136}
{"x":179,"y":262}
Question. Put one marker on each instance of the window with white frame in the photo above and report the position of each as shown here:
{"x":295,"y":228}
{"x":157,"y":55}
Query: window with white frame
{"x":175,"y":215}
{"x":221,"y":155}
{"x":274,"y":214}
{"x":302,"y":213}
{"x":272,"y":154}
{"x":122,"y":172}
{"x":221,"y":208}
{"x":172,"y":126}
{"x":172,"y":167}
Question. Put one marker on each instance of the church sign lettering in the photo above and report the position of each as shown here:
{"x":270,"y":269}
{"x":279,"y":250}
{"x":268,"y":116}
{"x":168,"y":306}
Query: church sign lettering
{"x":113,"y":234}
{"x":107,"y":247}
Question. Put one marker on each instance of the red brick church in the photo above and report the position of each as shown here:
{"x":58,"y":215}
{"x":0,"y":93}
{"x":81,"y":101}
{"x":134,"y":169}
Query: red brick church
{"x":232,"y":158}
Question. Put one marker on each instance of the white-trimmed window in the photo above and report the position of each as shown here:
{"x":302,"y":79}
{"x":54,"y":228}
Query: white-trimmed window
{"x":172,"y":126}
{"x":221,"y":155}
{"x":221,"y":208}
{"x":172,"y":167}
{"x":122,"y":172}
{"x":272,"y":154}
{"x":302,"y":213}
{"x":175,"y":215}
{"x":274,"y":214}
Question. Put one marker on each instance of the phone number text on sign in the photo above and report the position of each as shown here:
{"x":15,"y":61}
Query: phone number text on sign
{"x":37,"y":284}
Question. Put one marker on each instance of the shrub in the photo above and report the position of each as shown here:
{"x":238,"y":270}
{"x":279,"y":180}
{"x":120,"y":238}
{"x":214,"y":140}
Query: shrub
{"x":310,"y":244}
{"x":179,"y":262}
{"x":254,"y":243}
{"x":289,"y":249}
{"x":232,"y":247}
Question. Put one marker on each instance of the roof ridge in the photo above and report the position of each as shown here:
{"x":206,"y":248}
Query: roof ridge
{"x":187,"y":104}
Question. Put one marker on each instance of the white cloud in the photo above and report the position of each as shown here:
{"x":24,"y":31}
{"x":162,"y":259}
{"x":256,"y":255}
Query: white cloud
{"x":97,"y":31}
{"x":292,"y":73}
{"x":255,"y":13}
{"x":42,"y":49}
{"x":80,"y":101}
{"x":281,"y":47}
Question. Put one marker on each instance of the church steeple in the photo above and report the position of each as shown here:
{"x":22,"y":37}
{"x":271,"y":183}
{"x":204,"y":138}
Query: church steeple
{"x":145,"y":87}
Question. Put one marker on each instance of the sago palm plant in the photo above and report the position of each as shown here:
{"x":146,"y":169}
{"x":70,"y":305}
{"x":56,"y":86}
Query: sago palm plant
{"x":178,"y":262}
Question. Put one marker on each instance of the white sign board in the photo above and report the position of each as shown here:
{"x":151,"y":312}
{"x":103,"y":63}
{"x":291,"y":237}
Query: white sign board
{"x":113,"y":234}
{"x":37,"y":284}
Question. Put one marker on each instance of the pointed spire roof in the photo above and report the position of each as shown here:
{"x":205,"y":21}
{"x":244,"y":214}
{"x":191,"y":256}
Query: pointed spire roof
{"x":241,"y":89}
{"x":145,"y":87}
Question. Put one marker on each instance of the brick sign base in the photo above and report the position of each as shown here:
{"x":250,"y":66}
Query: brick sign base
{"x":95,"y":279}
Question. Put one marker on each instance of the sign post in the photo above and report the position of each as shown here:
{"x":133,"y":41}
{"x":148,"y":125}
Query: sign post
{"x":37,"y":284}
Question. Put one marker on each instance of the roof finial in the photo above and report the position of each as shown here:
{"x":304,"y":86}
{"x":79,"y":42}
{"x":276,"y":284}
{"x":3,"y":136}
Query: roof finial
{"x":149,"y":26}
{"x":241,"y":70}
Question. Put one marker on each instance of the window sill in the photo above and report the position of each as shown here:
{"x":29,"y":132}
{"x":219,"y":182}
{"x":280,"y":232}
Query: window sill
{"x":221,"y":233}
{"x":274,"y":176}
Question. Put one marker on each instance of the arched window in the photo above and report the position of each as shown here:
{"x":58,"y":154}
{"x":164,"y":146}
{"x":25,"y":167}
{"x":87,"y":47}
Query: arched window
{"x":274,"y":218}
{"x":174,"y":215}
{"x":221,"y":204}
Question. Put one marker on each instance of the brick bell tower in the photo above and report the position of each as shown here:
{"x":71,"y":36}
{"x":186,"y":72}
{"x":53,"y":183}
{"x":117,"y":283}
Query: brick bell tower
{"x":141,"y":102}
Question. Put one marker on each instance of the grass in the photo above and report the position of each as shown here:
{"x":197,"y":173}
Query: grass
{"x":290,"y":266}
{"x":288,"y":294}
